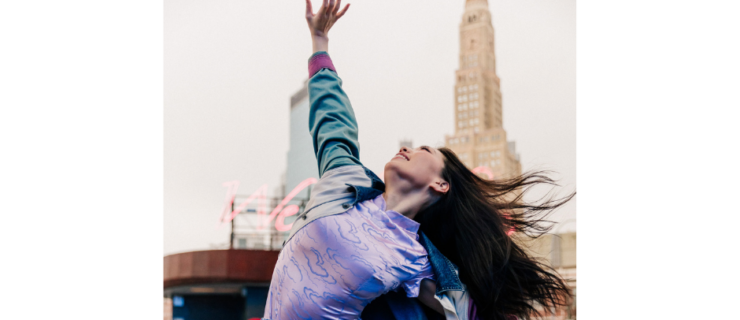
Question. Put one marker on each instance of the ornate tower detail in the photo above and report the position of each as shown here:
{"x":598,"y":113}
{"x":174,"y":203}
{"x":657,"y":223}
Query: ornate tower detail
{"x":480,"y":139}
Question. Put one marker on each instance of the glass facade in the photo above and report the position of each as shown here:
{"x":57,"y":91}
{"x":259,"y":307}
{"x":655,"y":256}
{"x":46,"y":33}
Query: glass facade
{"x":301,"y":158}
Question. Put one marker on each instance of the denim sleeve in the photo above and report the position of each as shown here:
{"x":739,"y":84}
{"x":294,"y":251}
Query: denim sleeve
{"x":331,"y":120}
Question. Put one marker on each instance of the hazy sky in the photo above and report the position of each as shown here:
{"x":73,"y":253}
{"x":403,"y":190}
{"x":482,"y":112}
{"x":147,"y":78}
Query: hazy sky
{"x":231,"y":66}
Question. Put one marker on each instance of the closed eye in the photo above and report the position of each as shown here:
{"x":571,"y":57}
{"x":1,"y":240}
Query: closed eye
{"x":426,"y":148}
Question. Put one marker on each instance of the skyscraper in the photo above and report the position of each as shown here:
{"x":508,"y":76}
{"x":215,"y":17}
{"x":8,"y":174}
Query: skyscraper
{"x":480,"y":139}
{"x":301,"y":158}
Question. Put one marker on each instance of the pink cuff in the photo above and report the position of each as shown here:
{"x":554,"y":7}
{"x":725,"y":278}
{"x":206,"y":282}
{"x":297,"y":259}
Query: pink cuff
{"x":319,"y":61}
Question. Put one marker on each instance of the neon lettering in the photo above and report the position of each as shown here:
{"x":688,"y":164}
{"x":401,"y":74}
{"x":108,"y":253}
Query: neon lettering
{"x":279,"y":207}
{"x":287,"y":212}
{"x":259,"y":194}
{"x":230,"y":196}
{"x":279,"y":213}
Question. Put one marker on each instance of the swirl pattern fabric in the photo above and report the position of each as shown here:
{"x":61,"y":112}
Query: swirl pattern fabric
{"x":336,"y":265}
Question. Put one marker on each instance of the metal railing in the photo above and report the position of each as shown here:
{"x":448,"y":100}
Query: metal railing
{"x":252,"y":241}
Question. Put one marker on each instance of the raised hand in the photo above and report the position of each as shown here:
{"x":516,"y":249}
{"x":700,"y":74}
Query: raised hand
{"x":320,"y":23}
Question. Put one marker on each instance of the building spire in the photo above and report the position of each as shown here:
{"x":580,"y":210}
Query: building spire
{"x":480,"y":139}
{"x":476,"y":4}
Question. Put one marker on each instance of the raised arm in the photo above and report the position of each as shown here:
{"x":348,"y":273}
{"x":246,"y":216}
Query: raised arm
{"x":331,"y":119}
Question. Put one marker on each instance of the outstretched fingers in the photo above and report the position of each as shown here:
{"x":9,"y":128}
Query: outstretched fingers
{"x":341,"y":13}
{"x":336,"y":7}
{"x":309,"y":9}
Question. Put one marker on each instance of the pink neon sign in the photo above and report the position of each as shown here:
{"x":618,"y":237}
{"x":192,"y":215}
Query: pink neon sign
{"x":279,"y":213}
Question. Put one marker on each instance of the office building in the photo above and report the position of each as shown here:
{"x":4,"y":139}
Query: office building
{"x":480,"y":138}
{"x":301,"y":163}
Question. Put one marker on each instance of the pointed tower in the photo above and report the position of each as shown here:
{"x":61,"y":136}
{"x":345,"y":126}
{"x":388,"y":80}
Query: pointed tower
{"x":480,"y":139}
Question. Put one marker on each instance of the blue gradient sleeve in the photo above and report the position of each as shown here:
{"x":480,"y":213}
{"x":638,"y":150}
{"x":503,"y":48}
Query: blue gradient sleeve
{"x":332,"y":122}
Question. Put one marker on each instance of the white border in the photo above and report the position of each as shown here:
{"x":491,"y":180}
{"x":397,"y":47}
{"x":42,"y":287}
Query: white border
{"x":81,"y":130}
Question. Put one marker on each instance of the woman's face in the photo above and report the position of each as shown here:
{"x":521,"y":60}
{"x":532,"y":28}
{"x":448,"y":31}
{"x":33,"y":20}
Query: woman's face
{"x":418,"y":168}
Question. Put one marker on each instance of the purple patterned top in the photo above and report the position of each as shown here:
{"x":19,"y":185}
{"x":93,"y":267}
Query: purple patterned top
{"x":334,"y":266}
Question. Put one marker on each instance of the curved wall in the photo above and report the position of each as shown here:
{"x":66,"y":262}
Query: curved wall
{"x":219,"y":266}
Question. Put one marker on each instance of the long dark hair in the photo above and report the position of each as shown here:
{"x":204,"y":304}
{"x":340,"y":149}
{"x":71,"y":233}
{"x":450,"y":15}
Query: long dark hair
{"x":470,"y":225}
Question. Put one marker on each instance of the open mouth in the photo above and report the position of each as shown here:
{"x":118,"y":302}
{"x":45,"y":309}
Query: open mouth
{"x":401,"y":156}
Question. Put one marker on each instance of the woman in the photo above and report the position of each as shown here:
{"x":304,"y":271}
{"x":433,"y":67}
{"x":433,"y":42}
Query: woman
{"x":360,"y":238}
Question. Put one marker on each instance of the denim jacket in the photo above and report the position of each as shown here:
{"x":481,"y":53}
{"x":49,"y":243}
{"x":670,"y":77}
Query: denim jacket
{"x":344,"y":182}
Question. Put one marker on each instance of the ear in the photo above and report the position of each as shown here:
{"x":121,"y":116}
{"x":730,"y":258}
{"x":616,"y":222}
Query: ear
{"x":440,"y":186}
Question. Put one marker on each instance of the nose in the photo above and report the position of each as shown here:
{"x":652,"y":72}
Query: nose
{"x":404,"y":149}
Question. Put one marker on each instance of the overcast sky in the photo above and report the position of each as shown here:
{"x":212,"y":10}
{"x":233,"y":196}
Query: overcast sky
{"x":230,"y":67}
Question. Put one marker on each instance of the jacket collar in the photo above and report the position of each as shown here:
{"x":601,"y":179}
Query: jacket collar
{"x":366,"y":193}
{"x":445,"y":272}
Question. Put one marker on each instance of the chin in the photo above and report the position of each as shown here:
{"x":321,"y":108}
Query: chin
{"x":389,"y":166}
{"x":390,"y":170}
